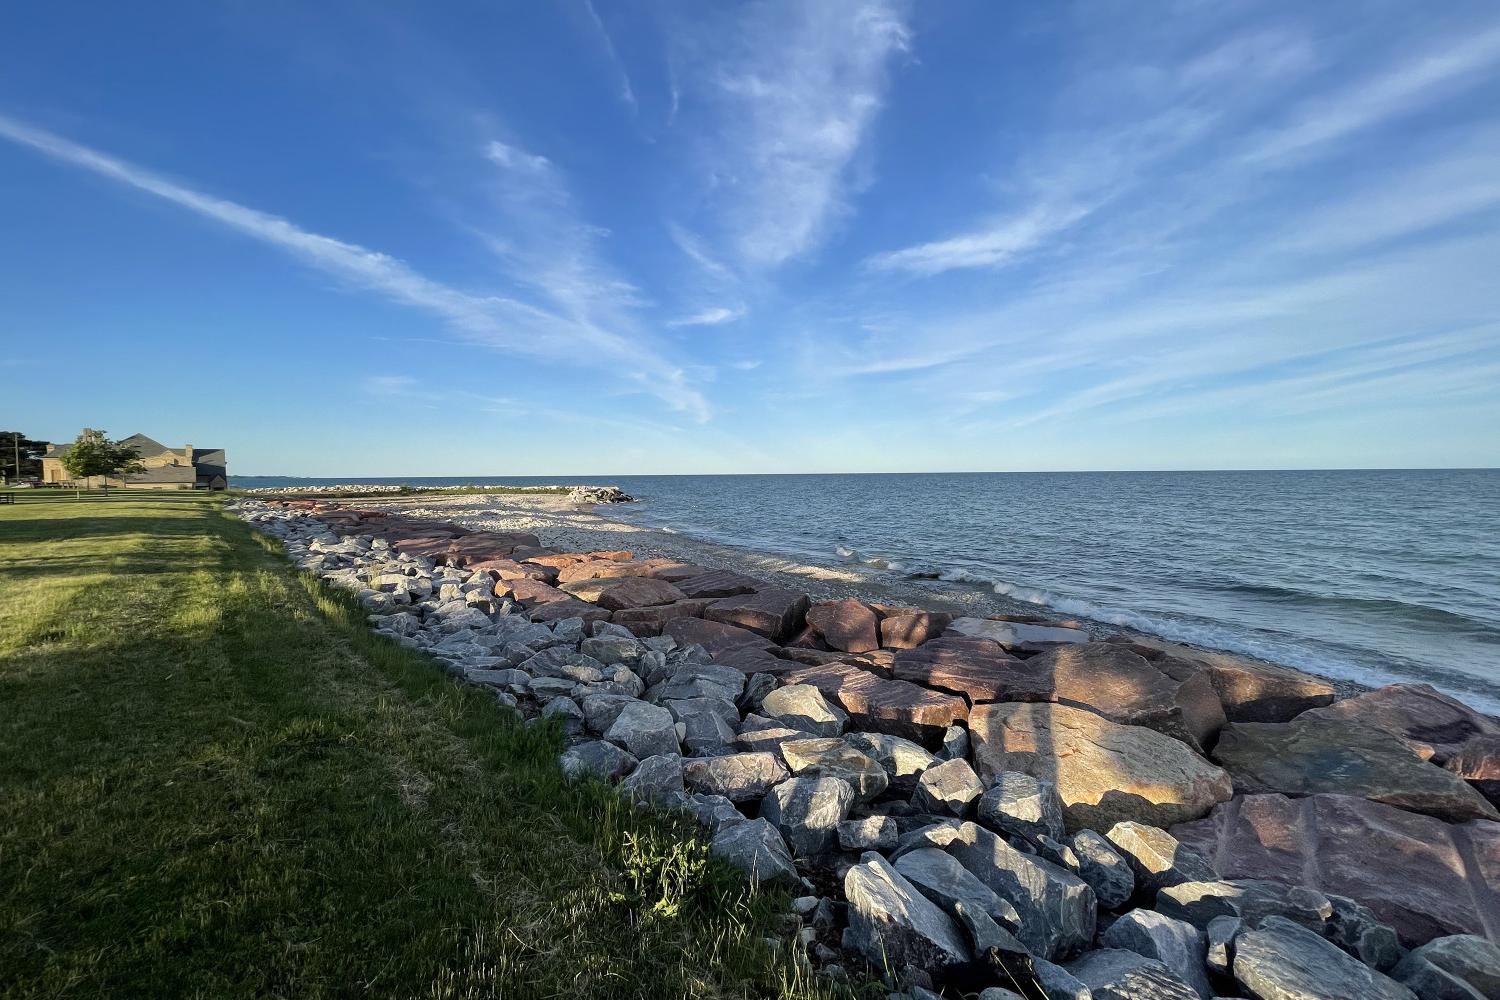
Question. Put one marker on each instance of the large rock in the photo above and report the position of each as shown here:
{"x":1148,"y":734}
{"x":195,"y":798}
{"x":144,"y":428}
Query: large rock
{"x":1097,"y":862}
{"x":718,"y":583}
{"x":1104,"y":772}
{"x":1424,"y":877}
{"x":902,"y":760}
{"x":596,"y":758}
{"x":645,"y":730}
{"x":1056,"y":907}
{"x":884,"y":706}
{"x":1478,"y":763}
{"x":808,"y":812}
{"x":1309,"y":755}
{"x":1124,"y":686}
{"x":1176,"y":944}
{"x":1022,"y":806}
{"x":1015,"y":635}
{"x":655,"y":779}
{"x":1282,"y":960}
{"x":908,"y":628}
{"x":739,"y":777}
{"x":1249,"y":690}
{"x":834,"y":758}
{"x":618,"y":594}
{"x":1434,"y":724}
{"x":803,"y":706}
{"x":1430,"y":971}
{"x":896,"y":927}
{"x":1156,"y":858}
{"x":1117,"y":974}
{"x":716,"y":637}
{"x":939,"y":877}
{"x":950,"y":788}
{"x":978,"y":669}
{"x":848,"y":625}
{"x":774,"y":612}
{"x":755,"y":848}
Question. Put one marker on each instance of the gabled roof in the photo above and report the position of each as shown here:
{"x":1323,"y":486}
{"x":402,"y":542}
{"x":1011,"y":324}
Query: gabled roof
{"x":144,"y":446}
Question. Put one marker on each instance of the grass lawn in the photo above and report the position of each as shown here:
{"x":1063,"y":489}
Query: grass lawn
{"x":215,"y":783}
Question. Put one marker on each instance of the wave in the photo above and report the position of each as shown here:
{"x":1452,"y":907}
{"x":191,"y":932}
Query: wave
{"x":1423,"y":613}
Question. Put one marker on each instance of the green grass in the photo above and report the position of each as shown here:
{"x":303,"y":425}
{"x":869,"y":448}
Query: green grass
{"x":214,"y":782}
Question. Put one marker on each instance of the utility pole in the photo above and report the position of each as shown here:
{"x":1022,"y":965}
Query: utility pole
{"x":18,"y":455}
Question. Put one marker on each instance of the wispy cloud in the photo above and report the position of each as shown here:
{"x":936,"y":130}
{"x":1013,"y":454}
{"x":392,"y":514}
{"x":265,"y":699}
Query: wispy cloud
{"x":798,"y":99}
{"x":711,"y":317}
{"x":496,"y":320}
{"x":389,"y":385}
{"x":627,"y":92}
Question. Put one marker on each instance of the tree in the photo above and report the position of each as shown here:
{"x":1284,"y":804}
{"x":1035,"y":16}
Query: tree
{"x":94,"y":454}
{"x":20,"y":456}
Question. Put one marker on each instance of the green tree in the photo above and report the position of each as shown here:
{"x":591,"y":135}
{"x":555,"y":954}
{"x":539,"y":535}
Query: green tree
{"x":94,"y":454}
{"x":20,"y":456}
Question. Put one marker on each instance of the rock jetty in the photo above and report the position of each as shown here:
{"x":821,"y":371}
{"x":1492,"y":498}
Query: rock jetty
{"x":968,"y":806}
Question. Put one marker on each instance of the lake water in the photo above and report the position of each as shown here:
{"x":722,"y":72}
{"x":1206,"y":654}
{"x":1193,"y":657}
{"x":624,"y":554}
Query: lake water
{"x":1372,"y":576}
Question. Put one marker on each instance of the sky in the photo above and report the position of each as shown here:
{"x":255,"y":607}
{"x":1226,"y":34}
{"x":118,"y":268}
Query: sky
{"x":602,"y":238}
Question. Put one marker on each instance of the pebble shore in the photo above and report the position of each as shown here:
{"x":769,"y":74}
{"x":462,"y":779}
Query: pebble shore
{"x":963,"y":803}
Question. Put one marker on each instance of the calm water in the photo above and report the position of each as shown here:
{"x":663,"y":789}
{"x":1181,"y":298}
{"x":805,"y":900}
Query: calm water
{"x":1374,"y":576}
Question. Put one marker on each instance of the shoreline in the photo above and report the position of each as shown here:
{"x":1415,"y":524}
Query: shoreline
{"x":581,"y":528}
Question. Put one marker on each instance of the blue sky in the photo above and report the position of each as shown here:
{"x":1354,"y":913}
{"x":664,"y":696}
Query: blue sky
{"x":480,"y":238}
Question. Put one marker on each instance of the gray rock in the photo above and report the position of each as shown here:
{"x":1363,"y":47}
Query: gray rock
{"x":714,"y":811}
{"x":1176,"y":944}
{"x":833,"y":757}
{"x":1116,"y":974}
{"x":654,"y":779}
{"x":996,"y":993}
{"x":600,"y":710}
{"x":767,"y":738}
{"x":610,"y":649}
{"x":547,"y":688}
{"x":704,"y":727}
{"x":1156,"y":858}
{"x":1282,"y":960}
{"x":645,"y":730}
{"x":1056,"y":907}
{"x":894,"y":926}
{"x":902,"y":760}
{"x":950,"y":787}
{"x":755,"y":848}
{"x":566,"y":709}
{"x":597,"y":758}
{"x":803,"y":706}
{"x":947,"y":883}
{"x":756,"y":689}
{"x":1103,"y":868}
{"x":739,"y":777}
{"x":808,"y":812}
{"x":568,"y":630}
{"x":873,"y":833}
{"x":498,"y":678}
{"x":1471,"y":960}
{"x":1219,"y":956}
{"x":955,"y":744}
{"x":1058,"y":983}
{"x":1022,"y":806}
{"x":701,"y":680}
{"x":1356,"y":929}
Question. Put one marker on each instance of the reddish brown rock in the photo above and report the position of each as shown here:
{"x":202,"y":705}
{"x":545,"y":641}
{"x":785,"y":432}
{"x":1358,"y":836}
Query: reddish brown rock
{"x":553,"y":558}
{"x":509,"y":569}
{"x":1424,"y":877}
{"x":553,"y":611}
{"x":718,"y":583}
{"x":755,"y":660}
{"x":595,"y":569}
{"x":1122,"y":685}
{"x":884,"y":706}
{"x":976,"y":668}
{"x":639,"y":592}
{"x":808,"y":638}
{"x":1249,"y":690}
{"x":1478,"y":763}
{"x":615,"y":555}
{"x":527,"y":553}
{"x":1104,"y":772}
{"x":775,"y":612}
{"x":429,"y":547}
{"x":1308,"y":755}
{"x":531,"y":592}
{"x":651,"y":620}
{"x":670,"y":570}
{"x":1434,"y":724}
{"x":848,"y":625}
{"x":907,"y":628}
{"x":712,"y":636}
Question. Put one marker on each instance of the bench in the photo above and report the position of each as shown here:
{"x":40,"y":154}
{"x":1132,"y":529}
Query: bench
{"x":7,"y":498}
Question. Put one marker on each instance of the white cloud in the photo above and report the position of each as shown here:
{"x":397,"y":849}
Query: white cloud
{"x":711,"y":317}
{"x":1443,"y":68}
{"x":797,"y":102}
{"x":496,"y":320}
{"x":390,"y":385}
{"x":992,"y":245}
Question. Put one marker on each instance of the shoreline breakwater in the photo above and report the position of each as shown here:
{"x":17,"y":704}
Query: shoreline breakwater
{"x":976,"y":803}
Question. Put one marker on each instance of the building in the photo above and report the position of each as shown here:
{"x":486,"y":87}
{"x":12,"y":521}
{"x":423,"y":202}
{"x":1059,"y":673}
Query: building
{"x":186,"y":468}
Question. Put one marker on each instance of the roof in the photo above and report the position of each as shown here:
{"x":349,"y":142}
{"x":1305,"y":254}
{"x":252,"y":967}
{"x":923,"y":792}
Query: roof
{"x":144,"y":446}
{"x":207,"y":462}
